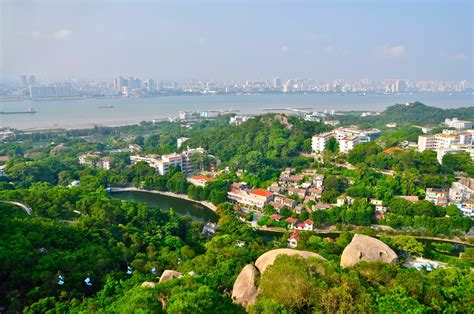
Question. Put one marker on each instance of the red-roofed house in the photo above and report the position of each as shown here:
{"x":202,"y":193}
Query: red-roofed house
{"x":299,"y":226}
{"x":291,"y":222}
{"x":275,"y":217}
{"x":308,"y":224}
{"x":200,"y":180}
{"x":293,"y":239}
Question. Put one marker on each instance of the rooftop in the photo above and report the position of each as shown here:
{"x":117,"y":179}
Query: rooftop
{"x":207,"y":179}
{"x":261,"y":192}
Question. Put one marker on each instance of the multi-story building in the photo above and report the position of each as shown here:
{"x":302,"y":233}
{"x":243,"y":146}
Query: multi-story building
{"x":318,"y":142}
{"x":347,"y":138}
{"x":437,"y":196}
{"x":256,"y":198}
{"x":348,"y":143}
{"x":163,"y":164}
{"x":95,"y":160}
{"x":446,"y":142}
{"x":458,"y":124}
{"x":185,"y":115}
{"x":238,"y":120}
{"x":460,"y":192}
{"x":467,"y":208}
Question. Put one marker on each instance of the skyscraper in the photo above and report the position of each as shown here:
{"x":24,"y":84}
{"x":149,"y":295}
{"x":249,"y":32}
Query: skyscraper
{"x":23,"y":81}
{"x":151,"y":86}
{"x":276,"y":83}
{"x":118,"y":84}
{"x":32,"y":80}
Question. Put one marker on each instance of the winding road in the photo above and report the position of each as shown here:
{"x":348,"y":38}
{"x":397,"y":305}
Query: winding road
{"x":26,"y":208}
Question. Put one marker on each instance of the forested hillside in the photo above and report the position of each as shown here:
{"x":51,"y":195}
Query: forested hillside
{"x":414,"y":113}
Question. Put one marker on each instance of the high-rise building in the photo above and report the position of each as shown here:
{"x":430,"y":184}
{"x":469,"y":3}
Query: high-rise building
{"x":23,"y":81}
{"x":277,"y":83}
{"x":159,"y":85}
{"x":151,"y":86}
{"x":118,"y":84}
{"x":32,"y":80}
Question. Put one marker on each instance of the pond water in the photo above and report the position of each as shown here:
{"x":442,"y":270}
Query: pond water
{"x":182,"y":207}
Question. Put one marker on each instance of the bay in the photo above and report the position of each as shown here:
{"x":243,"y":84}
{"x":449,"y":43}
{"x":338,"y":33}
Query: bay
{"x":85,"y":113}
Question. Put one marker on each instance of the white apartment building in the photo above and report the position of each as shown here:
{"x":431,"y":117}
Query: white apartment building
{"x":318,"y":142}
{"x":347,"y":138}
{"x":163,"y":164}
{"x":446,"y":142}
{"x":348,"y":143}
{"x":238,"y":120}
{"x":458,"y":124}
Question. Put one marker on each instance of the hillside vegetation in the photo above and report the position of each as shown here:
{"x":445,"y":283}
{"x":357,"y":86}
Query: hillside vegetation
{"x":413,"y":113}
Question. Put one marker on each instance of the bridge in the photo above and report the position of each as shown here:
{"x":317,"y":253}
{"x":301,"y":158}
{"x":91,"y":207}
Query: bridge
{"x":26,"y":208}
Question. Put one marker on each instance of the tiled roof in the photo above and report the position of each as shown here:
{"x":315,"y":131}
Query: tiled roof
{"x":207,"y":179}
{"x":261,"y":192}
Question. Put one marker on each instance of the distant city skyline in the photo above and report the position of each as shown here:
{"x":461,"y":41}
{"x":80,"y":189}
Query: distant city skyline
{"x":228,"y":40}
{"x":31,"y":87}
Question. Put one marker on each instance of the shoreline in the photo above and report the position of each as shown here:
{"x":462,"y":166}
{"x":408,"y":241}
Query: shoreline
{"x":206,"y":204}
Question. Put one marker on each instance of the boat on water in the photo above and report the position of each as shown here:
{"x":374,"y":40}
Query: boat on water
{"x":105,"y":107}
{"x":30,"y":110}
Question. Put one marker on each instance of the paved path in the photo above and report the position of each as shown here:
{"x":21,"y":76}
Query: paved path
{"x":26,"y":208}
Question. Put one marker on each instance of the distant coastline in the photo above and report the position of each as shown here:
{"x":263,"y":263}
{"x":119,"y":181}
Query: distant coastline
{"x":171,"y":94}
{"x":84,"y":113}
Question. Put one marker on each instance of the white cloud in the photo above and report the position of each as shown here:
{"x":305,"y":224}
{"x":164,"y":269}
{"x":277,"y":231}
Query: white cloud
{"x":392,"y":51}
{"x":62,"y":34}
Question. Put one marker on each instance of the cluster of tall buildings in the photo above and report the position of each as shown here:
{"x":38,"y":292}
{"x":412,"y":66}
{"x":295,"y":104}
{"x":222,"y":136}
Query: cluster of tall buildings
{"x":30,"y":87}
{"x":129,"y":85}
{"x":126,"y":85}
{"x":136,"y":86}
{"x":27,"y":81}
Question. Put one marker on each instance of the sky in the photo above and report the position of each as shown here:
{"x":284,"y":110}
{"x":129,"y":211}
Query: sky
{"x":237,"y":40}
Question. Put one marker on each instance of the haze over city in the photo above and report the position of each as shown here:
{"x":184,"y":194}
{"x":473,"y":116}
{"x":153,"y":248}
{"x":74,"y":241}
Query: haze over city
{"x":211,"y":40}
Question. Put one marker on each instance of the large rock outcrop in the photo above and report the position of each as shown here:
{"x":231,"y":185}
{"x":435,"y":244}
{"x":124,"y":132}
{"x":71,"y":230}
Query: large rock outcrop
{"x":268,"y":258}
{"x":148,"y":284}
{"x":365,"y":248}
{"x":170,"y":274}
{"x":245,"y":289}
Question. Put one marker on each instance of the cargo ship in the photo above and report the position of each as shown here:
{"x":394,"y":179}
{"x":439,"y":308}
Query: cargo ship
{"x":30,"y":110}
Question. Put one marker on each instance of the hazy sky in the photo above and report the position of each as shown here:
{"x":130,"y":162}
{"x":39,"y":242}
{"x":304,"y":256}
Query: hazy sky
{"x":238,"y":39}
